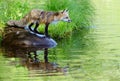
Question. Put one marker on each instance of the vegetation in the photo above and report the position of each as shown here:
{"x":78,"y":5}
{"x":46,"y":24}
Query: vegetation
{"x":12,"y":9}
{"x":81,"y":12}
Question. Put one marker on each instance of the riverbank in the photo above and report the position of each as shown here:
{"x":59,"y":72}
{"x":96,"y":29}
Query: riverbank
{"x":81,"y":12}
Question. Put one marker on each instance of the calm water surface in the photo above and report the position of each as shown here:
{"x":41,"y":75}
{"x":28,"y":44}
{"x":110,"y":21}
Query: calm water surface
{"x":93,"y":56}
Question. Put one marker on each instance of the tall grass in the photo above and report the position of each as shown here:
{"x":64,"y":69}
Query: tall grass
{"x":12,"y":9}
{"x":81,"y":12}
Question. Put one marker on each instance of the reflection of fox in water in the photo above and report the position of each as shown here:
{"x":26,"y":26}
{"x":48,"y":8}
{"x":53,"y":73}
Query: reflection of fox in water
{"x":37,"y":17}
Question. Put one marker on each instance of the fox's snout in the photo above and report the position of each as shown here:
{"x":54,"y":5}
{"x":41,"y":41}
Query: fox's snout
{"x":69,"y":20}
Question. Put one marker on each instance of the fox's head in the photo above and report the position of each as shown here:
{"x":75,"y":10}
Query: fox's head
{"x":63,"y":16}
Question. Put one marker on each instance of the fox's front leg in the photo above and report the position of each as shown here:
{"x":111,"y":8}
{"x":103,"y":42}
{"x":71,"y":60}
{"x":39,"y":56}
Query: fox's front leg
{"x":46,"y":30}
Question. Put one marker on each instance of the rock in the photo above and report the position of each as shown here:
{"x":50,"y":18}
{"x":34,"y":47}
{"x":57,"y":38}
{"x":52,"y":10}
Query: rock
{"x":20,"y":38}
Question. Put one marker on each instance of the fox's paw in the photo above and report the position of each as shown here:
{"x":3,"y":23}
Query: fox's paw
{"x":40,"y":35}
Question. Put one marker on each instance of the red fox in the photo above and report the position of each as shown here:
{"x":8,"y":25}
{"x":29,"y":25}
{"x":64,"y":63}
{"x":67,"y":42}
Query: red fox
{"x":37,"y":17}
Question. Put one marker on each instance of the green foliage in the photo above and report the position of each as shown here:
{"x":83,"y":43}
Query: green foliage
{"x":12,"y":9}
{"x":81,"y":13}
{"x":56,"y":5}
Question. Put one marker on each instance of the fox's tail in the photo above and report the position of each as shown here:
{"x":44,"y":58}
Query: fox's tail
{"x":15,"y":23}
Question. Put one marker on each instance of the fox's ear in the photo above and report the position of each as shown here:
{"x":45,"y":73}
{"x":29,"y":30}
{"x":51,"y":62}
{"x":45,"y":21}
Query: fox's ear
{"x":66,"y":10}
{"x":63,"y":11}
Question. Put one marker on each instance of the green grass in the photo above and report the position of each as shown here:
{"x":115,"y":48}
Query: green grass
{"x":12,"y":9}
{"x":81,"y":12}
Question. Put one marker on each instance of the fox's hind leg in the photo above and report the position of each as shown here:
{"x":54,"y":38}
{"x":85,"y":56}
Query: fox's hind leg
{"x":36,"y":26}
{"x":30,"y":26}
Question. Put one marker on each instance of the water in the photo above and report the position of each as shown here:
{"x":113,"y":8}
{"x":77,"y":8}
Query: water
{"x":86,"y":56}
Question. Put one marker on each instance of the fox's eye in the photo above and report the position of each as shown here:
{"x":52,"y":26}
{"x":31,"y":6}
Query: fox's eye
{"x":66,"y":17}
